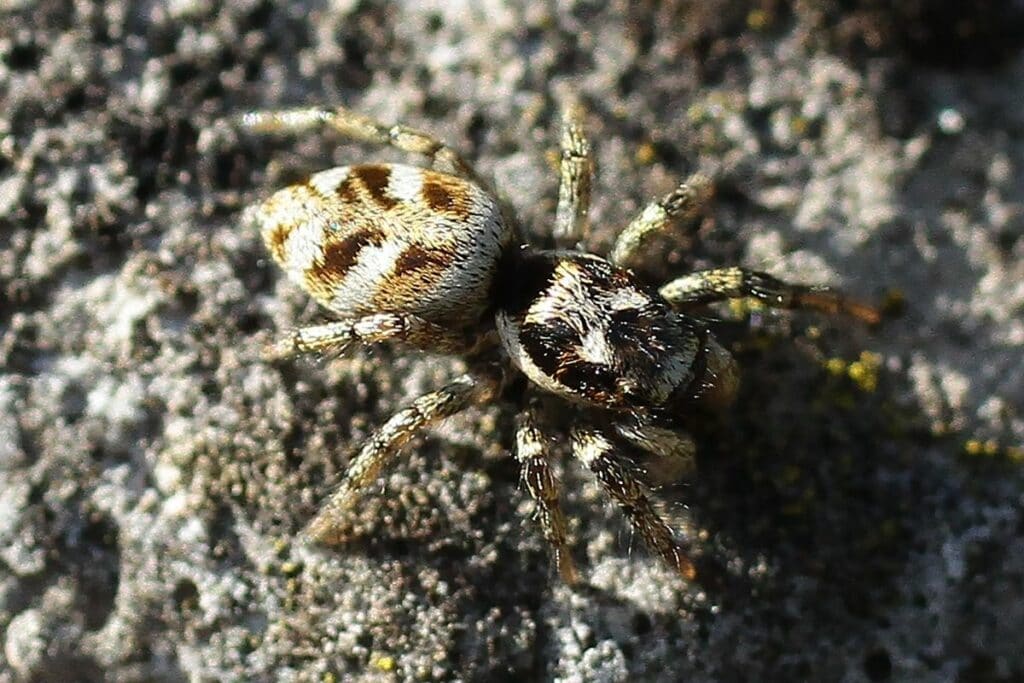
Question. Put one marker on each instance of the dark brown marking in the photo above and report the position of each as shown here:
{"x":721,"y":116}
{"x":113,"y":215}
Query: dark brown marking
{"x":445,"y":195}
{"x":339,"y":257}
{"x":347,"y":191}
{"x":416,"y":257}
{"x":376,"y":178}
{"x":276,"y":238}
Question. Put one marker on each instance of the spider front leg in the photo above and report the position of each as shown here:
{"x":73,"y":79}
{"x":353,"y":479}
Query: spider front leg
{"x":674,"y":451}
{"x":707,"y":286}
{"x":543,"y":488}
{"x":597,"y":452}
{"x":362,"y":128}
{"x":686,"y":201}
{"x":576,"y":176}
{"x":339,"y":335}
{"x":382,"y":446}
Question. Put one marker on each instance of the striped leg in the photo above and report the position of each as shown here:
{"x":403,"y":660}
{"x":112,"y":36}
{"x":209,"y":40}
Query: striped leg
{"x":576,"y":174}
{"x":381,"y":448}
{"x":339,"y":335}
{"x":674,"y":451}
{"x":356,"y":126}
{"x":686,"y":201}
{"x":543,"y":488}
{"x":707,"y":286}
{"x":597,"y":452}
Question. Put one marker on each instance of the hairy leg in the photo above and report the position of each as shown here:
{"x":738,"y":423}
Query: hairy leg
{"x":383,"y":445}
{"x":543,"y":488}
{"x":706,"y":286}
{"x":674,"y":451}
{"x":339,"y":335}
{"x":684,"y":202}
{"x":576,"y":174}
{"x":356,"y":126}
{"x":597,"y":452}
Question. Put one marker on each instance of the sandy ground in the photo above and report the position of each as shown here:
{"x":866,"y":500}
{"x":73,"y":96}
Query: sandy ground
{"x":857,"y":515}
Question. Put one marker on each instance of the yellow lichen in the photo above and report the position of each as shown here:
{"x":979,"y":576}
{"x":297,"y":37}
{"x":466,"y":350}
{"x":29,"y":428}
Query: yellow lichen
{"x":758,"y":20}
{"x":383,"y":662}
{"x":864,"y":371}
{"x":836,"y":366}
{"x":646,"y":154}
{"x":991,"y":448}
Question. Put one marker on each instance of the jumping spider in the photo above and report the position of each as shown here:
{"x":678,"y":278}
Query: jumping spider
{"x":427,"y":257}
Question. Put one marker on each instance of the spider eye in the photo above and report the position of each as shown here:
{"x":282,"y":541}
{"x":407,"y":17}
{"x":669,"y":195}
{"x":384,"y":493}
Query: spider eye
{"x":635,"y":330}
{"x":626,"y":326}
{"x":597,"y":382}
{"x":556,"y":348}
{"x":547,"y":343}
{"x":625,"y":318}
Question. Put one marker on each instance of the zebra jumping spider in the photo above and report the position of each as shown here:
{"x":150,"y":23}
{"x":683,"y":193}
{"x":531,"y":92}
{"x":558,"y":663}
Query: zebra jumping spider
{"x":427,"y":258}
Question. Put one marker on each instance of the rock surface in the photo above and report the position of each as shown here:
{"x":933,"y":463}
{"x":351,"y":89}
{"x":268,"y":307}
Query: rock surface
{"x":857,"y":513}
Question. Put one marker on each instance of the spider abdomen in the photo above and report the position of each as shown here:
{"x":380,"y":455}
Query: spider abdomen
{"x":388,"y":238}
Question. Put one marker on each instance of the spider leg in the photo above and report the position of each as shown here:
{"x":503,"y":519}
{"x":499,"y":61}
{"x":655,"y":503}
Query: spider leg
{"x":686,"y":201}
{"x":339,"y":335}
{"x":576,"y":175}
{"x":706,"y":286}
{"x":543,"y":488}
{"x":382,"y":446}
{"x":674,"y":450}
{"x":597,"y":452}
{"x":362,"y":128}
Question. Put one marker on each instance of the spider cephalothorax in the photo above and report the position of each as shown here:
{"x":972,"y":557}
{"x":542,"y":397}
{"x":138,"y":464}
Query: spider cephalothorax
{"x":428,"y":258}
{"x":586,"y":330}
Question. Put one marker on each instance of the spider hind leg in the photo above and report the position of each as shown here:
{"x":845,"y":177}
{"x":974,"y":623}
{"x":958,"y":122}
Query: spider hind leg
{"x":361,"y":128}
{"x":379,"y":450}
